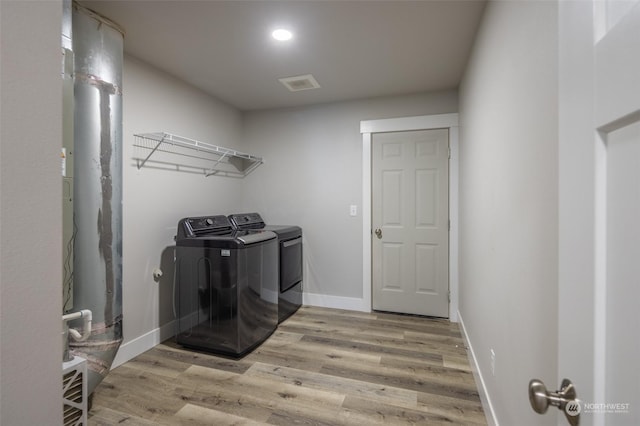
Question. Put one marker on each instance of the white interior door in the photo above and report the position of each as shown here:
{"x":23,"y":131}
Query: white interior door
{"x":410,"y":218}
{"x":599,"y":319}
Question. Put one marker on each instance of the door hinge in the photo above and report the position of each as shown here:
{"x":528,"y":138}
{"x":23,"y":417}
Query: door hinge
{"x":449,"y":151}
{"x":449,"y":296}
{"x":449,"y":225}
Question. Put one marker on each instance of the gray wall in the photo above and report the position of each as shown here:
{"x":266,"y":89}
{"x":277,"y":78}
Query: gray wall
{"x":31,"y":214}
{"x":154,"y":200}
{"x":509,"y":203}
{"x":313,"y":173}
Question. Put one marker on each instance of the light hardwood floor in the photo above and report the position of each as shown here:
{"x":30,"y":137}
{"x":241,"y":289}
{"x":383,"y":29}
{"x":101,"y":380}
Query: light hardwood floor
{"x":320,"y":367}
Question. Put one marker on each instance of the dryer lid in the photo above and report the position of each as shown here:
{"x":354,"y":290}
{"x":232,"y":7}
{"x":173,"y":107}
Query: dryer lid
{"x":256,"y":237}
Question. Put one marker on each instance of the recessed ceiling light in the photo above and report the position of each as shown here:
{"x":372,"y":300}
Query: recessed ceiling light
{"x":282,"y":35}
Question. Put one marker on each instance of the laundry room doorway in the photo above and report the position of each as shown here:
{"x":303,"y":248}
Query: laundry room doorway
{"x":408,"y":228}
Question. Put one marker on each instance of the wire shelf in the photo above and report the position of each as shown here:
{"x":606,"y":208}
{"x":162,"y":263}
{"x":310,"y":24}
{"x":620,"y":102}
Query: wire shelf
{"x":172,"y":152}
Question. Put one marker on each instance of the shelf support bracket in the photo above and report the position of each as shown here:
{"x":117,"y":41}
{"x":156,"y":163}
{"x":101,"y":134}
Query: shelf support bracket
{"x":151,"y":153}
{"x":213,"y":171}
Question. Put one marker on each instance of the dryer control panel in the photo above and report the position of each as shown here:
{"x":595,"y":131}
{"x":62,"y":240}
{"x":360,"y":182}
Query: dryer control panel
{"x":247,"y":221}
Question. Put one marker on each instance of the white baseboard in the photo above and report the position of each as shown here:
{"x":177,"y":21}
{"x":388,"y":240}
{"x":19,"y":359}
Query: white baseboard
{"x":336,"y":302}
{"x":141,"y":344}
{"x":489,"y":412}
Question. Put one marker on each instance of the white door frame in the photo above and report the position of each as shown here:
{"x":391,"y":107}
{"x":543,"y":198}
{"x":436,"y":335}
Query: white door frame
{"x":423,"y":122}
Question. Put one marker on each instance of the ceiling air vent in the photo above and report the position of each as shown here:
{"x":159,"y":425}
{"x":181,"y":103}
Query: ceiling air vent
{"x":300,"y":82}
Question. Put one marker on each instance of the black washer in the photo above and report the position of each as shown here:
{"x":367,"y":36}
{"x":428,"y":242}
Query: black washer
{"x":226,"y":285}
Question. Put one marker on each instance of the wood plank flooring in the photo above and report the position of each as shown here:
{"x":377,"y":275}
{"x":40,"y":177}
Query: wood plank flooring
{"x":320,"y":367}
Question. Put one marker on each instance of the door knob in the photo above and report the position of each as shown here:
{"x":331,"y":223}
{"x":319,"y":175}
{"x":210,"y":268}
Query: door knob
{"x":378,"y":233}
{"x":565,"y":399}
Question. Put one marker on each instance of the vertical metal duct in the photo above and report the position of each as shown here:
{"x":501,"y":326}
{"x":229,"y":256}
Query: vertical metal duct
{"x":98,"y":55}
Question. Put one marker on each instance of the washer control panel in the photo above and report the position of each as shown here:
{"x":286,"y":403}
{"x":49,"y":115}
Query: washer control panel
{"x":196,"y":226}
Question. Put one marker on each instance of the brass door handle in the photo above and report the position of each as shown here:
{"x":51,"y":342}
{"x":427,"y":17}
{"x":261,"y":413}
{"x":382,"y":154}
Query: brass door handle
{"x":565,"y":399}
{"x":378,"y":233}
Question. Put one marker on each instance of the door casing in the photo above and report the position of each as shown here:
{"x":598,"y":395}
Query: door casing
{"x":423,"y":122}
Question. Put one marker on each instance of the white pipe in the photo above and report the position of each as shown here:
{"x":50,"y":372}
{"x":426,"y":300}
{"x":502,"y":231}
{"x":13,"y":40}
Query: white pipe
{"x":87,"y":316}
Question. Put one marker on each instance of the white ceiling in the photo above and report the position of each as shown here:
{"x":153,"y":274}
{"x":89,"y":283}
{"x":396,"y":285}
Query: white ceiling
{"x":354,"y":49}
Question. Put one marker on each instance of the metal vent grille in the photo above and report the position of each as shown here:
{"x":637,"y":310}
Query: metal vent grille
{"x":300,"y":82}
{"x":74,"y":390}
